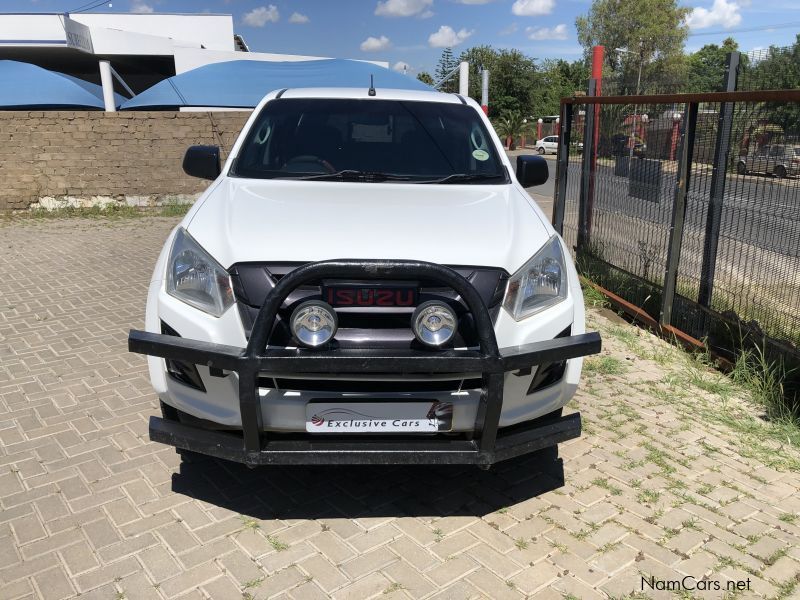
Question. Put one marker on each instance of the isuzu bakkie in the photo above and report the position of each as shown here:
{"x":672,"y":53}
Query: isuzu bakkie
{"x":366,"y":281}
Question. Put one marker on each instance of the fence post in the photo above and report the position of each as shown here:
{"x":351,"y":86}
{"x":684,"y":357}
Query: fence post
{"x":587,"y":174}
{"x":562,"y":168}
{"x":685,"y":150}
{"x":718,"y":180}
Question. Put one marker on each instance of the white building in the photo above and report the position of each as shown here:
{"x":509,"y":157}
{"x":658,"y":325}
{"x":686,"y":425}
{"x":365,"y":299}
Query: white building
{"x":129,"y":52}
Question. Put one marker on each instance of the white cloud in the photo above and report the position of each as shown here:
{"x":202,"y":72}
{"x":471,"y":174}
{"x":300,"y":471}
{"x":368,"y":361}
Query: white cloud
{"x":373,"y":44}
{"x":298,"y":18}
{"x":404,"y":8}
{"x":138,"y":6}
{"x":559,"y":32}
{"x":401,"y":67}
{"x":258,"y":17}
{"x":510,"y":29}
{"x":447,"y":38}
{"x":532,"y":8}
{"x":723,"y":13}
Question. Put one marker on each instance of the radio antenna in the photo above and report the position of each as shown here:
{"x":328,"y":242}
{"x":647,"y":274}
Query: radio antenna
{"x":371,"y":91}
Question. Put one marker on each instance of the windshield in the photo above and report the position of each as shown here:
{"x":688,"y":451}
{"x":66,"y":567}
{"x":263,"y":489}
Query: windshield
{"x":369,"y":140}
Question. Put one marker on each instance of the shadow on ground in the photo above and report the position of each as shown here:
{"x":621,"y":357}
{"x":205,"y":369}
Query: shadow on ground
{"x":351,"y":492}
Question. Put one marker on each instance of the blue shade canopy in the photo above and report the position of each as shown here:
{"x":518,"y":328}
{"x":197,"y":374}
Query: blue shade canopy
{"x":23,"y":85}
{"x":243,"y":83}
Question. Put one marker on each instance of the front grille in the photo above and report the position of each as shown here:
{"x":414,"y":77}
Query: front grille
{"x":387,"y":328}
{"x":368,"y":386}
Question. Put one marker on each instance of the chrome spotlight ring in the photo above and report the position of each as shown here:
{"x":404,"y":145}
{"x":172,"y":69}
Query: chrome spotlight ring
{"x":434,"y":323}
{"x":313,"y":323}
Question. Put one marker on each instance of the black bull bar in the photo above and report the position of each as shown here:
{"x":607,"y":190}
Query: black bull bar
{"x":255,"y":446}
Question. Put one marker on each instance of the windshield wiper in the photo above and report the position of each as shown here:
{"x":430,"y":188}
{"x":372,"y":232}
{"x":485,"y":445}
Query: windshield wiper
{"x":355,"y":175}
{"x":466,"y":178}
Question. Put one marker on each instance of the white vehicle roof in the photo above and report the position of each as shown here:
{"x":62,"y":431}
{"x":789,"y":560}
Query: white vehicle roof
{"x":362,"y":94}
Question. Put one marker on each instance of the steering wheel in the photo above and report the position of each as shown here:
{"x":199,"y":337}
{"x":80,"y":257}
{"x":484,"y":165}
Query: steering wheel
{"x":308,"y":158}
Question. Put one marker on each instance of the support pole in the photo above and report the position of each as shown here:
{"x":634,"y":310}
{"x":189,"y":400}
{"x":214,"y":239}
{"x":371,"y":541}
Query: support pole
{"x":686,"y":148}
{"x":107,"y":79}
{"x":598,"y":53}
{"x":463,"y":78}
{"x":587,"y":175}
{"x":562,"y":168}
{"x":718,"y":181}
{"x":485,"y":91}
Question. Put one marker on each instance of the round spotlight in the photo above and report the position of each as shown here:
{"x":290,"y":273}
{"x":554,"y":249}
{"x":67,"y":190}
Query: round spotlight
{"x":434,"y":323}
{"x":313,"y":323}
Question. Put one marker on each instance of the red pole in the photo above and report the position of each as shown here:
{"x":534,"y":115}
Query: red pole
{"x":539,"y":129}
{"x":597,"y":74}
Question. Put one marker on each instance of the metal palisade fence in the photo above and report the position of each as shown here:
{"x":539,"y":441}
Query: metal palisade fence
{"x":687,"y":207}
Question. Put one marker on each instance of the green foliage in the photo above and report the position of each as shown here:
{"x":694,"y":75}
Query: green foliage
{"x":444,"y":67}
{"x":511,"y":123}
{"x":513,"y":79}
{"x":425,"y":77}
{"x":706,"y":67}
{"x":653,"y":30}
{"x":778,"y":70}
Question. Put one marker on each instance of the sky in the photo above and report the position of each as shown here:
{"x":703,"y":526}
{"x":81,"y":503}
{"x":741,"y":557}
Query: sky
{"x":412,"y":33}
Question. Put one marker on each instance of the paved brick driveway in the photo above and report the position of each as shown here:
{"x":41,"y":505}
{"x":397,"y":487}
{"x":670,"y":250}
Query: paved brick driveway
{"x":660,"y":484}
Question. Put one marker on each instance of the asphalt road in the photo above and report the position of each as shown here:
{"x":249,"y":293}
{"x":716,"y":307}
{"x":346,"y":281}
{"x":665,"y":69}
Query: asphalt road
{"x":757,"y":210}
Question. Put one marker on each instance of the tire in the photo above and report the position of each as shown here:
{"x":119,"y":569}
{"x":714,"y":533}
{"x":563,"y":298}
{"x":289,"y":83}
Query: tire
{"x":541,"y":150}
{"x":741,"y":168}
{"x":780,"y":172}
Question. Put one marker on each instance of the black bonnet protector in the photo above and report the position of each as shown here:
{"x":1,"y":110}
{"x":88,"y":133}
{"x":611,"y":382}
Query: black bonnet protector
{"x":254,"y":446}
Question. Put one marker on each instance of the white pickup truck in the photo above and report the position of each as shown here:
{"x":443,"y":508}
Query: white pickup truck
{"x":365,"y":281}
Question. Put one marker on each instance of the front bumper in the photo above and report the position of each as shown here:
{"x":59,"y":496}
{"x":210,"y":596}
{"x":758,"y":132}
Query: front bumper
{"x":253,"y":446}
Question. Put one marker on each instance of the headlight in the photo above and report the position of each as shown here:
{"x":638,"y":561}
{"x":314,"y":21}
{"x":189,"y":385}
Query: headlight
{"x":197,"y":279}
{"x":539,"y":284}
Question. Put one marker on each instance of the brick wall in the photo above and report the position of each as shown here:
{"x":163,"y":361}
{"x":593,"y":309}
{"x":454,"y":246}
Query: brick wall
{"x":81,"y":158}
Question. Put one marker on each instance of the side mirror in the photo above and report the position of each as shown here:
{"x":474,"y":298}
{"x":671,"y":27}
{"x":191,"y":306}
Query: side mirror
{"x":202,"y":161}
{"x":531,"y":170}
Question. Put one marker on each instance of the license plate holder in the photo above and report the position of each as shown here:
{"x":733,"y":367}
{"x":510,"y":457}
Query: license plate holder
{"x":384,"y":416}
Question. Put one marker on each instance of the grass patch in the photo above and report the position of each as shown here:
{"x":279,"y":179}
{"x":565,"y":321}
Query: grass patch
{"x":648,"y":496}
{"x":394,"y":587}
{"x":520,"y":543}
{"x":604,"y":483}
{"x":170,"y":208}
{"x":592,"y":297}
{"x":249,"y":523}
{"x":764,"y":380}
{"x":277,"y":544}
{"x":604,"y":365}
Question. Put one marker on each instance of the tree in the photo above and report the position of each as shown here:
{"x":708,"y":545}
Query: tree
{"x":425,"y":77}
{"x":513,"y":78}
{"x":509,"y":126}
{"x":654,"y":31}
{"x":706,"y":67}
{"x":444,"y":67}
{"x":778,"y":70}
{"x":559,"y":79}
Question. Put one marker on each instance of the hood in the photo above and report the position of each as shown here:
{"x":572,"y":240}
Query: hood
{"x":245,"y":220}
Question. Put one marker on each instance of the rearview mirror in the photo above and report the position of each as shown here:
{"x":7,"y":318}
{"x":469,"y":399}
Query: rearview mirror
{"x":531,"y":170}
{"x":202,"y":161}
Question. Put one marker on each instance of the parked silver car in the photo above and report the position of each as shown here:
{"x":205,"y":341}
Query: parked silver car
{"x":547,"y":145}
{"x":778,"y":159}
